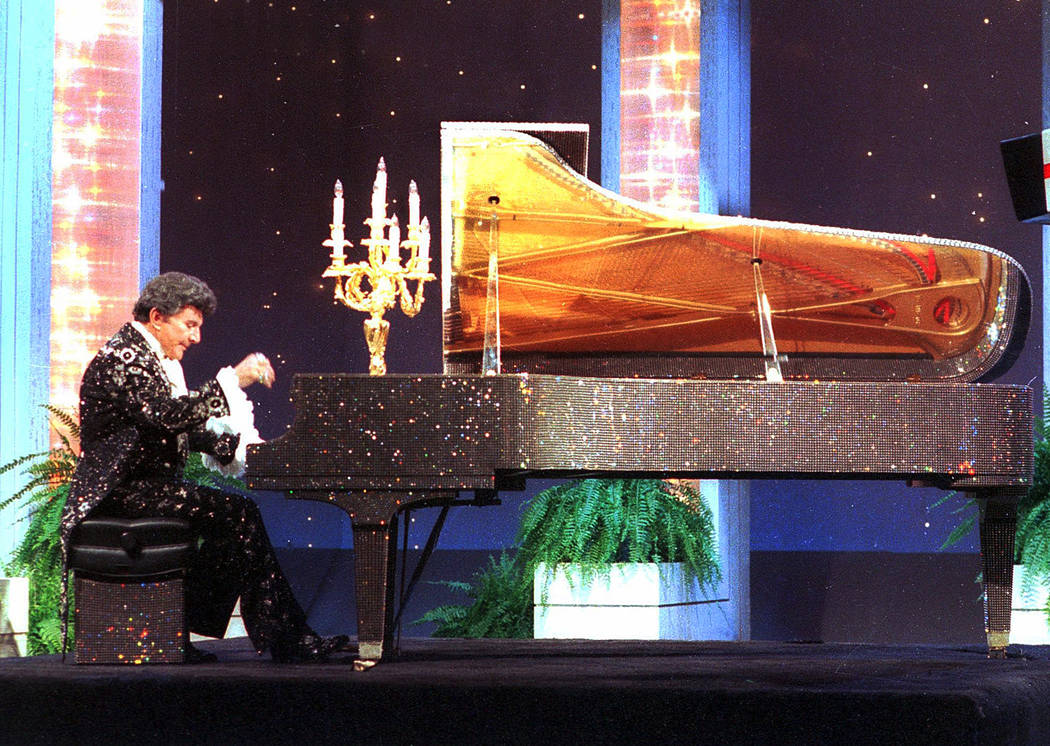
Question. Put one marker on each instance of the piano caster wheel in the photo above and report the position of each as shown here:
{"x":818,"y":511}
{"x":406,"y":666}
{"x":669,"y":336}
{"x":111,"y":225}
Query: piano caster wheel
{"x":363,"y":665}
{"x":997,"y":642}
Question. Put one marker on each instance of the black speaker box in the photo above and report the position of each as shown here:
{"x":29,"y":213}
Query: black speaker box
{"x":1023,"y":159}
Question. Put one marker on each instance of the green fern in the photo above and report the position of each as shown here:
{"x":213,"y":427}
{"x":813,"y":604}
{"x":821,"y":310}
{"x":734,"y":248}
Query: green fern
{"x":1032,"y":540}
{"x":38,"y":555}
{"x":42,"y":498}
{"x":593,"y":522}
{"x":198,"y":473}
{"x":966,"y":507}
{"x":590,"y":522}
{"x":502,"y":605}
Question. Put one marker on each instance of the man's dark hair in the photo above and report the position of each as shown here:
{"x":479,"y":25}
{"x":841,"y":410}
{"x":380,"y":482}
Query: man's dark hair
{"x":170,"y":292}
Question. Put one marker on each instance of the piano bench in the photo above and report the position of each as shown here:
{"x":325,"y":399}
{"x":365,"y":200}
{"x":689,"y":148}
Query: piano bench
{"x":128,"y":576}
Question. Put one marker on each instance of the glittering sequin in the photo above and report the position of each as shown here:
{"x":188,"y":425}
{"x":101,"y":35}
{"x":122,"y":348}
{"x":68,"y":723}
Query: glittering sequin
{"x":235,"y":558}
{"x":134,"y":440}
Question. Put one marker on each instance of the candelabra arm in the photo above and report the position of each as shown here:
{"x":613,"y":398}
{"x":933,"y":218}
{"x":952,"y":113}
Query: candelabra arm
{"x":412,"y":303}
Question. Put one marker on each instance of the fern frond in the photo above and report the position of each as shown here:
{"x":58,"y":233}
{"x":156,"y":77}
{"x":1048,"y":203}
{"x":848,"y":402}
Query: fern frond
{"x":66,"y":417}
{"x":502,"y":605}
{"x":14,"y":464}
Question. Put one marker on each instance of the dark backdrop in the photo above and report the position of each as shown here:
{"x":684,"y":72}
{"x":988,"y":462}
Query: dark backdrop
{"x":876,"y":115}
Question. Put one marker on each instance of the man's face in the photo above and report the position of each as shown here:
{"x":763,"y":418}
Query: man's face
{"x":178,"y":331}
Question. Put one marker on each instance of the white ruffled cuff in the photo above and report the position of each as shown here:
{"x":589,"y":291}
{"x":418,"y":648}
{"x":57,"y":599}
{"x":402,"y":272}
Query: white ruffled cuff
{"x":240,"y":421}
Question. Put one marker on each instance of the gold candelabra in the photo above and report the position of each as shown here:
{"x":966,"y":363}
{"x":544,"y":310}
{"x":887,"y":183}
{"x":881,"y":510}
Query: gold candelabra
{"x":388,"y":279}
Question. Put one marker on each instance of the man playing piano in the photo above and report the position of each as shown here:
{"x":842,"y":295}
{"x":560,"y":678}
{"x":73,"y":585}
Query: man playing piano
{"x":138,"y":421}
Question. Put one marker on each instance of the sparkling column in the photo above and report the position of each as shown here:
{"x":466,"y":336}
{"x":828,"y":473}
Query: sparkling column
{"x":98,"y":175}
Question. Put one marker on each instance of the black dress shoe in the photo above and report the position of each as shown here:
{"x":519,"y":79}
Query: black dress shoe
{"x":309,"y":648}
{"x":196,"y":655}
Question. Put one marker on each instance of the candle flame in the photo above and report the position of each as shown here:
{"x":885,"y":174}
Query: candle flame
{"x":338,"y":188}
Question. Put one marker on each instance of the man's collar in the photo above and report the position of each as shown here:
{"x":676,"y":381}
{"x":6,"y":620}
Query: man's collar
{"x":153,"y":342}
{"x":172,"y":368}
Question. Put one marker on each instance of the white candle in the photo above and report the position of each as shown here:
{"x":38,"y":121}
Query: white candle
{"x":377,"y":211}
{"x":379,"y":194}
{"x":424,"y":243}
{"x":337,"y":220}
{"x":395,"y":239}
{"x":381,"y":176}
{"x":413,"y":204}
{"x":337,"y":204}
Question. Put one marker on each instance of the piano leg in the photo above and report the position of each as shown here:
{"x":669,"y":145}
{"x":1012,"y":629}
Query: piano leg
{"x":998,"y":521}
{"x":375,"y":548}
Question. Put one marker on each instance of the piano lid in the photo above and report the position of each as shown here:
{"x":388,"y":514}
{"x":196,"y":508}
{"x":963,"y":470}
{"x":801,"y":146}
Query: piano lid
{"x":547,"y":272}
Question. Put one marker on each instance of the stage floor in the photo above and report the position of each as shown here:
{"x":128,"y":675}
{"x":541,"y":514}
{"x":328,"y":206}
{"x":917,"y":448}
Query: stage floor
{"x":545,"y":691}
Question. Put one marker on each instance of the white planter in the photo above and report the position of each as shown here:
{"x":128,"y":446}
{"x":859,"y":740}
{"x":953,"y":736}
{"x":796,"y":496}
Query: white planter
{"x":633,"y":601}
{"x":14,"y":617}
{"x":1028,"y":620}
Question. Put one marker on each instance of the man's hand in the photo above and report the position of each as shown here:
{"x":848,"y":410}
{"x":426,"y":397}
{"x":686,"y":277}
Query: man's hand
{"x":254,"y":369}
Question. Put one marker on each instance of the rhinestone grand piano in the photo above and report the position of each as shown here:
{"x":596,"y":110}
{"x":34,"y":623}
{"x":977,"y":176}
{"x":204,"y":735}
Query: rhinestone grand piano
{"x":584,"y":333}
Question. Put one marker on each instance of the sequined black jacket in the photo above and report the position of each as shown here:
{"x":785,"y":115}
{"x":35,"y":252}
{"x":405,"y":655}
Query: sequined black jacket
{"x":132,"y":428}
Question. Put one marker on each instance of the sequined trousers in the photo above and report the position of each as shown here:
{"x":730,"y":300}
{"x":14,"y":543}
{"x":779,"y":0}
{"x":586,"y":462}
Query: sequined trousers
{"x":234,"y":559}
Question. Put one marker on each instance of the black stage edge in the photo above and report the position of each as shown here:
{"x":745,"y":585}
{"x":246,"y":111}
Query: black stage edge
{"x":545,"y":692}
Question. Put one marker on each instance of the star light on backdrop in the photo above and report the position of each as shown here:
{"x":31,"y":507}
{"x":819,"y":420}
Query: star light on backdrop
{"x":843,"y":133}
{"x":95,"y":182}
{"x":909,"y":91}
{"x":303,"y":118}
{"x":316,"y":94}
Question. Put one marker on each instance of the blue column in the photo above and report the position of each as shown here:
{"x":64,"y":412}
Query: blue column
{"x":725,"y":188}
{"x":725,"y":106}
{"x":27,"y":43}
{"x":27,"y":50}
{"x":610,"y":177}
{"x":1046,"y":228}
{"x":151,"y":183}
